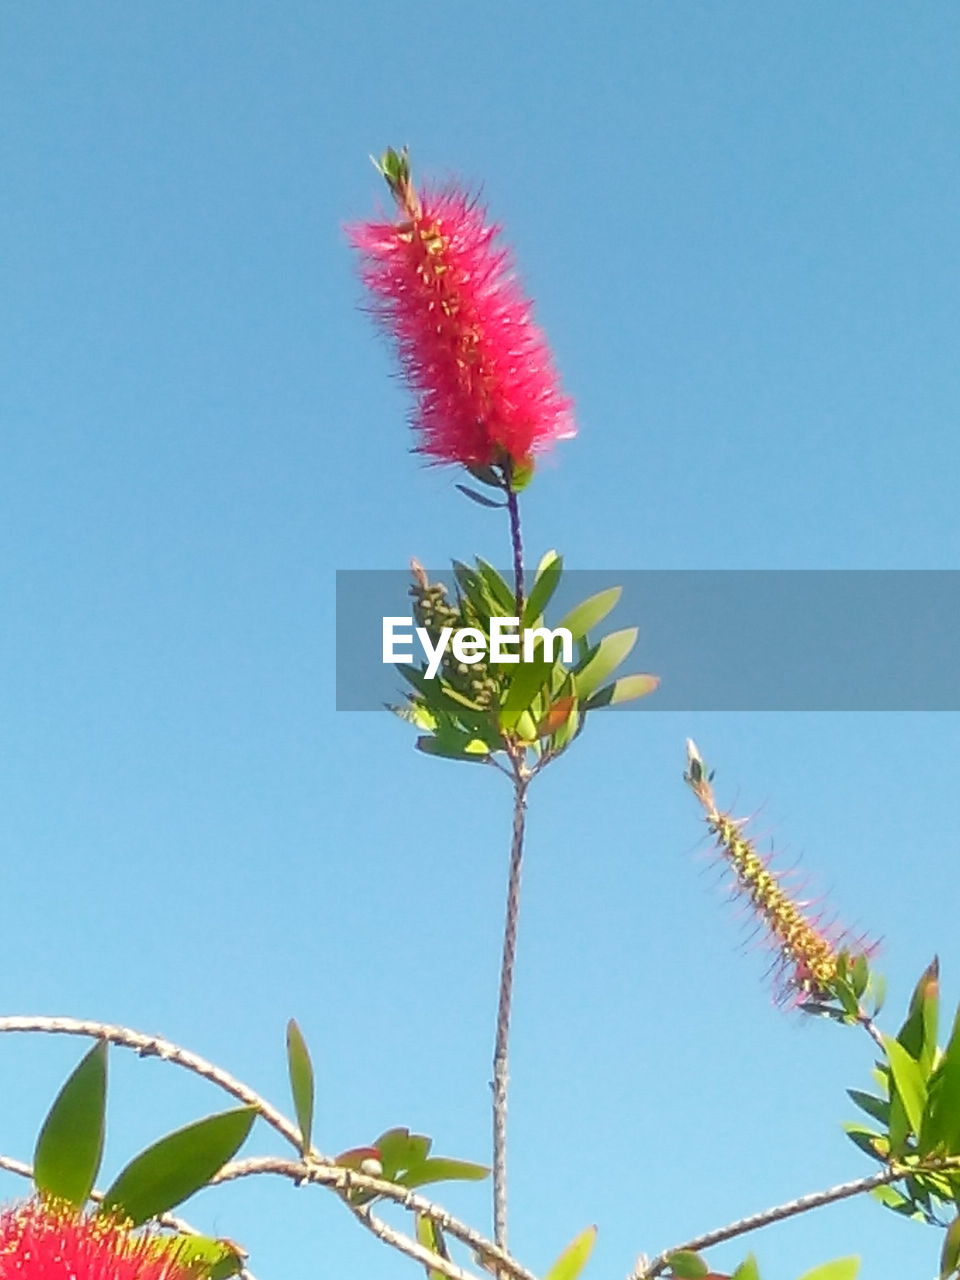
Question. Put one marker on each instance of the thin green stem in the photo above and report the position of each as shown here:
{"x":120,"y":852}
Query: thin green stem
{"x":501,"y":1053}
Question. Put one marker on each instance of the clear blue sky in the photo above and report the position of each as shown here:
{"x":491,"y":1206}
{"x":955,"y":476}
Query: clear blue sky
{"x":739,"y":222}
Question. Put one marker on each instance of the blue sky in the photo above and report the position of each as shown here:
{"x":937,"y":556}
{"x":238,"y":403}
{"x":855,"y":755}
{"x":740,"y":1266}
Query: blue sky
{"x":739,"y":224}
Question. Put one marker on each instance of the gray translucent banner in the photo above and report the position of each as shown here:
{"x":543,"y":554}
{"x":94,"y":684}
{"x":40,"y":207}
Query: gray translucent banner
{"x":724,"y":640}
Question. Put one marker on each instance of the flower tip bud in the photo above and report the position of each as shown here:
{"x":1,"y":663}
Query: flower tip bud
{"x":371,"y":1167}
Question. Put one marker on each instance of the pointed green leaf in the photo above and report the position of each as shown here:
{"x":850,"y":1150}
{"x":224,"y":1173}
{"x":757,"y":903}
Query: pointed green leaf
{"x":911,"y":1086}
{"x":687,"y":1265}
{"x":859,"y":975}
{"x":476,"y":591}
{"x":875,"y":1145}
{"x":918,"y":1035}
{"x":70,"y":1146}
{"x":527,"y":680}
{"x":498,"y":587}
{"x":471,"y":750}
{"x":574,"y":1257}
{"x":440,"y":1169}
{"x":399,"y":1149}
{"x":547,"y":581}
{"x":588,"y":613}
{"x":487,"y":475}
{"x":893,"y":1199}
{"x":878,"y":990}
{"x":747,"y":1269}
{"x":950,"y":1253}
{"x":839,"y":1269}
{"x":209,"y":1258}
{"x":941,"y":1125}
{"x":415,"y":713}
{"x":623,"y":690}
{"x":171,"y":1170}
{"x":429,"y":1235}
{"x":480,"y":498}
{"x":610,"y":652}
{"x":876,"y":1108}
{"x":300,"y":1069}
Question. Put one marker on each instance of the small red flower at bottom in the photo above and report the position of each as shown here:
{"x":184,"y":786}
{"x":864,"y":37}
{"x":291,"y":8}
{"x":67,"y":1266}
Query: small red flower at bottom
{"x":54,"y":1241}
{"x":487,"y":392}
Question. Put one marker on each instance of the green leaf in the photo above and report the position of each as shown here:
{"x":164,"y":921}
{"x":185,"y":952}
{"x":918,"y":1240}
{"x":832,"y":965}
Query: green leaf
{"x":475,"y":590}
{"x":687,"y":1265}
{"x":574,"y":1257}
{"x":206,"y":1257}
{"x":911,"y":1086}
{"x":301,"y":1082}
{"x":471,"y":750}
{"x":747,"y":1269}
{"x":588,"y":613}
{"x":498,"y":588}
{"x":845,"y":994}
{"x":526,"y":682}
{"x":70,"y":1146}
{"x":610,"y":652}
{"x":878,"y":988}
{"x":950,"y":1253}
{"x":623,"y":690}
{"x":546,"y":583}
{"x":875,"y":1145}
{"x":941,"y":1125}
{"x":414,"y":712}
{"x":839,"y":1269}
{"x":859,"y":975}
{"x":429,"y":1235}
{"x":399,"y":1149}
{"x":876,"y":1108}
{"x":480,"y":498}
{"x":918,"y":1035}
{"x":487,"y":475}
{"x":171,"y":1170}
{"x":893,"y":1199}
{"x":440,"y":1169}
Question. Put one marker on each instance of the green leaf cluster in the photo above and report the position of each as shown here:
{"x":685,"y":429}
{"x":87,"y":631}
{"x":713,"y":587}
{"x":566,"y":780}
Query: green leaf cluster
{"x":469,"y":712}
{"x":686,"y":1265}
{"x":853,"y":994}
{"x":406,"y":1160}
{"x":916,"y":1113}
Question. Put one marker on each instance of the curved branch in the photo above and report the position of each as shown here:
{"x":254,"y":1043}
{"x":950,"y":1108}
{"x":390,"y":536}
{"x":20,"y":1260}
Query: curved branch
{"x":157,"y":1047}
{"x":346,"y":1180}
{"x":169,"y":1220}
{"x":645,"y":1270}
{"x":319,"y":1168}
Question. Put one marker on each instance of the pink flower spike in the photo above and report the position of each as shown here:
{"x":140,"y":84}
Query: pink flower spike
{"x":49,"y":1240}
{"x":486,"y":390}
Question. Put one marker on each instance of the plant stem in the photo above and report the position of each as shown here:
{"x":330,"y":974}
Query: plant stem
{"x":521,"y":781}
{"x":646,"y":1270}
{"x":513,"y":508}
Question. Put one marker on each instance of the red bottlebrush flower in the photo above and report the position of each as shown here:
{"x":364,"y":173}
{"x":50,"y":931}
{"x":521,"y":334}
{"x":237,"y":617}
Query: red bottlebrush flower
{"x":807,"y":953}
{"x":42,"y":1240}
{"x":487,"y":392}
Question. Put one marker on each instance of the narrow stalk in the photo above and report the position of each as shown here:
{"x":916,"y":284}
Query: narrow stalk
{"x":521,"y":781}
{"x":872,"y":1030}
{"x":513,"y":508}
{"x":646,"y":1270}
